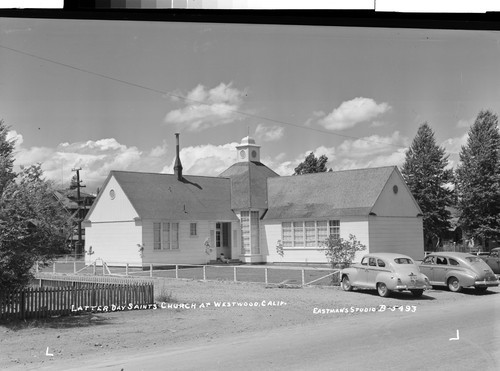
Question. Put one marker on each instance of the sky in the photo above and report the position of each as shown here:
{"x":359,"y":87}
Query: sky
{"x":109,"y":95}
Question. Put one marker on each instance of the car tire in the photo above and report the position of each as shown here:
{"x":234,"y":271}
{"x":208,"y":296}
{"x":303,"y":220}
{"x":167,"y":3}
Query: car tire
{"x":382,"y":289}
{"x":346,"y":284}
{"x":417,"y":293}
{"x":454,"y":284}
{"x":481,"y":290}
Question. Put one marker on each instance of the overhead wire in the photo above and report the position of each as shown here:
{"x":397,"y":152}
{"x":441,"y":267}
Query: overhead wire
{"x":186,"y":99}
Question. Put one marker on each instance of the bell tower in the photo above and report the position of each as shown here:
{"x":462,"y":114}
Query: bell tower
{"x":248,"y":151}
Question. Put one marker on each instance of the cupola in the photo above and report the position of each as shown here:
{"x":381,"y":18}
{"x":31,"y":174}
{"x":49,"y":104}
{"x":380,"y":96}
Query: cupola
{"x":248,"y":151}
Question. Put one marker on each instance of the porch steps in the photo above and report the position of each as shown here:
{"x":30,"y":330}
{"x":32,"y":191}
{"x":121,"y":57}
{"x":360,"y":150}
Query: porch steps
{"x":229,"y":262}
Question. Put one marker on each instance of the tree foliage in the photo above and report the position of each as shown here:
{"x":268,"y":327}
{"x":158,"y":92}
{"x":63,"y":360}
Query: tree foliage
{"x":33,"y":224}
{"x":312,"y":164}
{"x":426,"y":174}
{"x":478,"y":179}
{"x":341,"y":252}
{"x":6,"y":156}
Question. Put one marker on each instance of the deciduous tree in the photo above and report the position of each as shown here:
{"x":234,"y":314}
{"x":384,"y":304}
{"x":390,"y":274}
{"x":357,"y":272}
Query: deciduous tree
{"x":312,"y":164}
{"x":430,"y":181}
{"x":478,"y":180}
{"x":33,"y":224}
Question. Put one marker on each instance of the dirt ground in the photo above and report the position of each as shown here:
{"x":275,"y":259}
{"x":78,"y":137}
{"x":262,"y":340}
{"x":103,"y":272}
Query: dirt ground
{"x":200,"y":311}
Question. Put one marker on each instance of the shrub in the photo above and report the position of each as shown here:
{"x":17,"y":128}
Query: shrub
{"x":340,"y":252}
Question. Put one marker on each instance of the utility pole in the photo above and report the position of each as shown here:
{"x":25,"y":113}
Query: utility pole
{"x":79,"y":201}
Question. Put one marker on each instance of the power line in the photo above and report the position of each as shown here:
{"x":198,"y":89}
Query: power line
{"x":180,"y":97}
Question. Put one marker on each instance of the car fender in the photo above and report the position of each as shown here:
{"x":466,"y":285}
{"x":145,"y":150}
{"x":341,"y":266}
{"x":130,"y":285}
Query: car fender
{"x":389,"y":278}
{"x":465,"y":278}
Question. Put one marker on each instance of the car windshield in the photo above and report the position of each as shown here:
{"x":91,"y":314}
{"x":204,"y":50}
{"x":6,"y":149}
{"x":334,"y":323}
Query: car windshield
{"x":473,"y":259}
{"x":403,"y":261}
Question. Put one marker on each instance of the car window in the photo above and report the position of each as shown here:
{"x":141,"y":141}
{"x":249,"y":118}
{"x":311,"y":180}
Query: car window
{"x":494,"y":254}
{"x":428,"y":260}
{"x":380,"y":263}
{"x":473,"y":259}
{"x":442,"y":261}
{"x":371,"y":263}
{"x":364,"y":261}
{"x":403,"y":261}
{"x":453,"y":262}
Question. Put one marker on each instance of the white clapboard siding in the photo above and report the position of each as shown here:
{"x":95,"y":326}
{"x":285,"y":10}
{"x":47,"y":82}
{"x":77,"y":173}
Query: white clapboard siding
{"x":114,"y":242}
{"x":400,"y":235}
{"x":109,"y":209}
{"x":272,"y":233}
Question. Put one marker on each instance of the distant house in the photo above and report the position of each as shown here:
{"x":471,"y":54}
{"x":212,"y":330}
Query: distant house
{"x":77,"y":209}
{"x":141,"y":218}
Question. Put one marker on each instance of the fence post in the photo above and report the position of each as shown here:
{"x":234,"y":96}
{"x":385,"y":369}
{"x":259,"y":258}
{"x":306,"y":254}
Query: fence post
{"x":176,"y":271}
{"x":265,"y":275}
{"x":126,"y":269}
{"x":303,"y":280}
{"x":234,"y":274}
{"x":74,"y":267}
{"x":93,"y":268}
{"x":150,"y":269}
{"x":37,"y":267}
{"x":204,"y":273}
{"x":103,"y":271}
{"x":53,"y":267}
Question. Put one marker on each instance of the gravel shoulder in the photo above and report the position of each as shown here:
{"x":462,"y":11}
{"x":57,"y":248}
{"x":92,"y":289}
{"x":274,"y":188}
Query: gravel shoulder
{"x":201,"y":311}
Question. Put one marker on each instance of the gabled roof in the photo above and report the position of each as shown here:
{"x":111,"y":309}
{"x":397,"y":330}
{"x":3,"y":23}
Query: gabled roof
{"x":248,"y":184}
{"x":163,"y":196}
{"x":339,"y":193}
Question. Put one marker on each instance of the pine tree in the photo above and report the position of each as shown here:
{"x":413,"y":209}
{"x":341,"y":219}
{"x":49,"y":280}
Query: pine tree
{"x":478,"y":180}
{"x":312,"y":164}
{"x":429,"y":181}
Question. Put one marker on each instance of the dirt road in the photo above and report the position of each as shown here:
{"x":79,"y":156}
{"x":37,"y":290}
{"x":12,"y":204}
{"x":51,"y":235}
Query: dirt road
{"x":238,"y":311}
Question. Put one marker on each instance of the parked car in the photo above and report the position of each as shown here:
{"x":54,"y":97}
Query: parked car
{"x":492,"y":259}
{"x":457,"y":270}
{"x":385,"y":272}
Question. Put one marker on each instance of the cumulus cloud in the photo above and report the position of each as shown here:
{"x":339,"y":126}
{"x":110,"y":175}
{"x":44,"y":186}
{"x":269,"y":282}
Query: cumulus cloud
{"x":209,"y":159}
{"x":206,"y":108}
{"x":353,"y":112}
{"x":453,"y":146}
{"x":269,"y":133}
{"x":96,"y":158}
{"x":372,"y":151}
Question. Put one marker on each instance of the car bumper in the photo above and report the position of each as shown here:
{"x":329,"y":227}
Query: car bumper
{"x":413,"y":287}
{"x":486,"y":283}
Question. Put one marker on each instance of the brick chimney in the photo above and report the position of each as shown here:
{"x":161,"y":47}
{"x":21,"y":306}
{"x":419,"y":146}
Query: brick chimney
{"x":178,"y":165}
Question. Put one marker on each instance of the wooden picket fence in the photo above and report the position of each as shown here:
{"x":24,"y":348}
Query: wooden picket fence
{"x":43,"y":302}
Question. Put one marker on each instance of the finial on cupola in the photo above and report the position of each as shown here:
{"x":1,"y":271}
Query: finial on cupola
{"x":178,"y":165}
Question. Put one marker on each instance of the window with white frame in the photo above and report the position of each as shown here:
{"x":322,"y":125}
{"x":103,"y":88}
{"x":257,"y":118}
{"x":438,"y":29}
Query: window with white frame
{"x":310,"y":233}
{"x":250,"y":232}
{"x":165,"y":236}
{"x":192,"y":229}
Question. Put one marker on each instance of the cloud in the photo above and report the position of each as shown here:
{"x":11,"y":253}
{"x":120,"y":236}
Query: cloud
{"x":96,"y":158}
{"x":208,"y":159}
{"x":353,"y":112}
{"x":207,"y":108}
{"x":465,"y":123}
{"x":269,"y":133}
{"x":372,"y":151}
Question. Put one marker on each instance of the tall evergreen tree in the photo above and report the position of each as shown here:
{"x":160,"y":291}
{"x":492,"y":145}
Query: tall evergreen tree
{"x":425,"y":173}
{"x":478,"y":180}
{"x":6,"y":156}
{"x":312,"y":164}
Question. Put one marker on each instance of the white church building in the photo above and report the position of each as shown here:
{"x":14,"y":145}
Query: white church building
{"x":244,"y":212}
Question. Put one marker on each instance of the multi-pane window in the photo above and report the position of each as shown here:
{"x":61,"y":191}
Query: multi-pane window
{"x":250,"y":232}
{"x":165,"y":236}
{"x":192,"y":229}
{"x":309,"y":233}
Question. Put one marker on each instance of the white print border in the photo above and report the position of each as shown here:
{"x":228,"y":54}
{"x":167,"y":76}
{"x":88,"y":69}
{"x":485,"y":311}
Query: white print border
{"x":378,"y":308}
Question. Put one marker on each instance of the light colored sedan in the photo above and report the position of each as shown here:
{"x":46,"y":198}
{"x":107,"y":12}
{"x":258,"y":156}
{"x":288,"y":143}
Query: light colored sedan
{"x":385,"y":272}
{"x":457,"y":270}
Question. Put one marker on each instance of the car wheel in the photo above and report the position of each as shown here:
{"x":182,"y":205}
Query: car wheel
{"x":346,"y":284}
{"x":454,"y":285}
{"x":382,"y":289}
{"x":481,"y":290}
{"x":417,"y":293}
